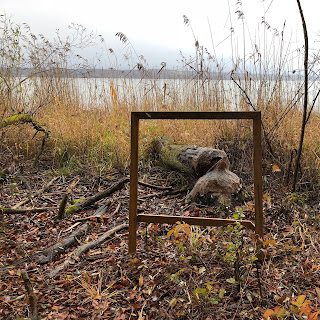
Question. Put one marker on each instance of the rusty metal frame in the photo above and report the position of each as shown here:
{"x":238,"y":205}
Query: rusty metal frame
{"x":134,"y":217}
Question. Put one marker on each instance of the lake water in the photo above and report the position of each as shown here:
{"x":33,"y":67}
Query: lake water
{"x":217,"y":94}
{"x":181,"y":94}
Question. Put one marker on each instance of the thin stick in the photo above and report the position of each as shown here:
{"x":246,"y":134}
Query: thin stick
{"x":146,"y":184}
{"x":31,"y":295}
{"x":35,"y":194}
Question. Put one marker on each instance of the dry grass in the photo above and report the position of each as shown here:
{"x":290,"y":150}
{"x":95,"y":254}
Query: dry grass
{"x":89,"y":119}
{"x":101,"y":135}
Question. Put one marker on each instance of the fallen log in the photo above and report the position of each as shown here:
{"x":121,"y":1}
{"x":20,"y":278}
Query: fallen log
{"x":78,"y":206}
{"x":27,"y":210}
{"x":188,"y":159}
{"x":77,"y":253}
{"x":216,"y":187}
{"x":52,"y":252}
{"x":216,"y":182}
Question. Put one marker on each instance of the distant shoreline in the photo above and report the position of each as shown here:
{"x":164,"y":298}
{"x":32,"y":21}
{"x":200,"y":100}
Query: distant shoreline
{"x":152,"y":74}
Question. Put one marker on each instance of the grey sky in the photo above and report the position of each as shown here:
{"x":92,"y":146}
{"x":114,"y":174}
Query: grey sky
{"x":156,"y":29}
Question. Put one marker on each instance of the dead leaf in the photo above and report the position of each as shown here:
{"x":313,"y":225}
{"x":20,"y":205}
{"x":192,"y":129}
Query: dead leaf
{"x":275,"y":168}
{"x":140,"y":281}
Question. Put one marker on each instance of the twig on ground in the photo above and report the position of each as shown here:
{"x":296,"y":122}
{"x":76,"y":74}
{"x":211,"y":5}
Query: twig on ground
{"x":31,"y":295}
{"x":146,"y":184}
{"x":36,"y":194}
{"x":23,"y":211}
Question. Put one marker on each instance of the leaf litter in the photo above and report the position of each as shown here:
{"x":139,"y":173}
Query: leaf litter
{"x":178,"y":272}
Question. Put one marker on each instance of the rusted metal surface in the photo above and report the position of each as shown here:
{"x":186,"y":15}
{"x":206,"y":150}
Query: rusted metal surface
{"x":206,"y":222}
{"x":134,"y":218}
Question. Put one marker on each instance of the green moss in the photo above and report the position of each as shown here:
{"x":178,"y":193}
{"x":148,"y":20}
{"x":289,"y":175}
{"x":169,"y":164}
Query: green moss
{"x":72,"y":209}
{"x":75,"y":207}
{"x":21,"y":118}
{"x":78,"y":200}
{"x":169,"y":155}
{"x":17,"y":118}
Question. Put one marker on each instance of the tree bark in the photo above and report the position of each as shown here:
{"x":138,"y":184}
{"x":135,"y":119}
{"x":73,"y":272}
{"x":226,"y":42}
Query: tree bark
{"x":305,"y":104}
{"x":216,"y":183}
{"x":188,"y":159}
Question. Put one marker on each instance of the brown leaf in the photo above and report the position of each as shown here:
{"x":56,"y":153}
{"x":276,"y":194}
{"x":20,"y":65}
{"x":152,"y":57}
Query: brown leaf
{"x":318,"y":294}
{"x":141,"y":281}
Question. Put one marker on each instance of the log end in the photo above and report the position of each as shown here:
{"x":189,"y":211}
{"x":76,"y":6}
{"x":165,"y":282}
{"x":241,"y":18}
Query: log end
{"x":216,"y":187}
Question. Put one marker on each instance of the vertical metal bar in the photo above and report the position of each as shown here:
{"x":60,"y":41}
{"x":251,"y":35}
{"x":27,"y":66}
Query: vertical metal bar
{"x":257,"y":165}
{"x":133,"y":184}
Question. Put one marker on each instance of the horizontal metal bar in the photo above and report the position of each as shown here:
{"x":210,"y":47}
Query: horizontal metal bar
{"x":217,"y":222}
{"x":197,"y":115}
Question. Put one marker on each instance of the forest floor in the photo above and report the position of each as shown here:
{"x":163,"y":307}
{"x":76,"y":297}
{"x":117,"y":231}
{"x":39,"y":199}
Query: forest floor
{"x":178,"y":272}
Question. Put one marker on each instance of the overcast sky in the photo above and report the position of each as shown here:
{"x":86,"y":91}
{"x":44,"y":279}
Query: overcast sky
{"x":156,"y":28}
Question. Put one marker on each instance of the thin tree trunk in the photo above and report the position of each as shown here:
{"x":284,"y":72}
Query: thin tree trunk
{"x":305,"y":105}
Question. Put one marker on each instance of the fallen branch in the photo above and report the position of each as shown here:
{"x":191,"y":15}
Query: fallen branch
{"x":166,"y":193}
{"x":146,"y":184}
{"x":36,"y":194}
{"x":63,"y":202}
{"x":52,"y":252}
{"x":77,"y":253}
{"x":22,"y":211}
{"x":31,"y":295}
{"x":101,"y":195}
{"x":100,"y":218}
{"x":19,"y":118}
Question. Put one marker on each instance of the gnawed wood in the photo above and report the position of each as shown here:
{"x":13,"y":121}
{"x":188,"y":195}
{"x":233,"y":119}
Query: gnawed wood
{"x":188,"y":159}
{"x":216,"y":186}
{"x":52,"y":252}
{"x":77,"y":253}
{"x":216,"y":183}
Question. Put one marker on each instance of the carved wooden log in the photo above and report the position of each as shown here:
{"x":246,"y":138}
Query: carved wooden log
{"x":216,"y":183}
{"x":188,"y":159}
{"x":216,"y":186}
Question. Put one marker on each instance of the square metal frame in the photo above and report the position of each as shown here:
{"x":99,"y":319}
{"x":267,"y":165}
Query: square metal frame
{"x":134,"y":217}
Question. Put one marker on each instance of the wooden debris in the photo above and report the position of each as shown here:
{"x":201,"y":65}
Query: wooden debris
{"x":36,"y":194}
{"x":216,"y":186}
{"x":31,"y":295}
{"x":63,"y":202}
{"x":99,"y":196}
{"x":77,"y":253}
{"x":188,"y":159}
{"x":51,"y":253}
{"x":216,"y":182}
{"x":23,"y":211}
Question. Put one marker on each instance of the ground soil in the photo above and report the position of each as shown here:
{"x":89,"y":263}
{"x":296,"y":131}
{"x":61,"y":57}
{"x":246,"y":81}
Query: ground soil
{"x":192,"y":273}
